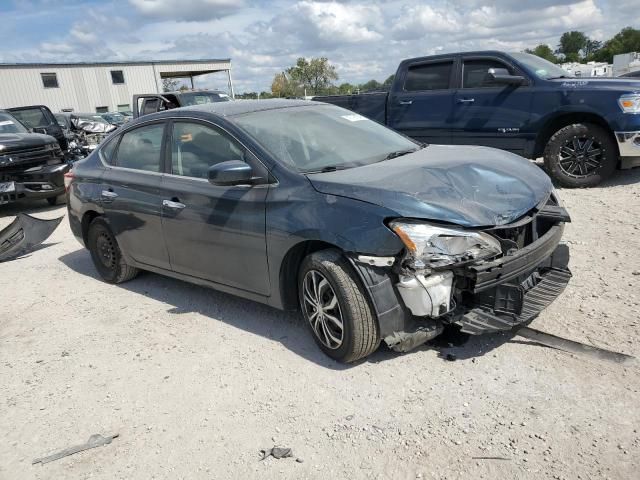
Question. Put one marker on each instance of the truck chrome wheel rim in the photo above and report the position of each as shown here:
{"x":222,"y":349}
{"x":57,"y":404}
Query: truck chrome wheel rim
{"x":581,"y":157}
{"x":322,"y":309}
{"x":106,"y":250}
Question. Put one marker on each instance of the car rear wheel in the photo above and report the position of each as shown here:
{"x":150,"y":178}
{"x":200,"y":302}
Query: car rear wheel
{"x":580,"y":155}
{"x":335,"y":307}
{"x":106,"y":254}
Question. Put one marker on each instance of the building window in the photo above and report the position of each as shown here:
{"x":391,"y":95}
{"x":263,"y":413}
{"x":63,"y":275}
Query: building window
{"x":117,"y":77}
{"x":125,"y":107}
{"x":49,"y":80}
{"x":102,"y":109}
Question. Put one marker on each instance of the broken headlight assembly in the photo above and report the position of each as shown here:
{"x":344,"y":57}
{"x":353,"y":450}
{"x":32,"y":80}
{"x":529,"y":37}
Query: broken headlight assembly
{"x":432,"y":246}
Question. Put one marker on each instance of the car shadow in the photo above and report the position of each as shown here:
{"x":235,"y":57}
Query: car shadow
{"x":258,"y":319}
{"x":28,"y":206}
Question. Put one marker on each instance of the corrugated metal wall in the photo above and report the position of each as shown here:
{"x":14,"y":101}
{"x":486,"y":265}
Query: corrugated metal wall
{"x":84,"y":88}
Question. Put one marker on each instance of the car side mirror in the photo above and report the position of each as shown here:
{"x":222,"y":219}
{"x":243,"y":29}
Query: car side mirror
{"x":39,"y":130}
{"x":503,"y":77}
{"x":232,"y":172}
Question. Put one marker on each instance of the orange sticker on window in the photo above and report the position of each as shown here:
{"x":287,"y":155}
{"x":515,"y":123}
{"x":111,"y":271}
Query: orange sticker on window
{"x":186,"y":137}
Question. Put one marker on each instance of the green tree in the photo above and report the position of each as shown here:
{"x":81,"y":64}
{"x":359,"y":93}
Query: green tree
{"x":346,"y":89}
{"x":572,"y":45}
{"x":625,"y":41}
{"x":169,"y":84}
{"x":370,"y":85}
{"x":543,"y":51}
{"x":315,"y":76}
{"x":389,"y":81}
{"x":283,"y":86}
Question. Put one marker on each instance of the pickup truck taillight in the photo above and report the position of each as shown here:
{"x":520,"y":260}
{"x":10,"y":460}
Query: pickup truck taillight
{"x":68,"y":178}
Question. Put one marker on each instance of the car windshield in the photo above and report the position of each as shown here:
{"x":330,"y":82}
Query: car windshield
{"x":8,"y":124}
{"x":543,"y":69}
{"x":323,"y":137}
{"x":199,"y":98}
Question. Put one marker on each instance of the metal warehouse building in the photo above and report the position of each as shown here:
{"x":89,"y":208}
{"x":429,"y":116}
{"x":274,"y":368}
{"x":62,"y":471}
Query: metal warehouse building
{"x":95,"y":87}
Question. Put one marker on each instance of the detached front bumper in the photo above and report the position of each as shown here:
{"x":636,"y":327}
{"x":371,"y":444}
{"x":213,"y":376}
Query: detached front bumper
{"x":629,"y":147}
{"x":35,"y":183}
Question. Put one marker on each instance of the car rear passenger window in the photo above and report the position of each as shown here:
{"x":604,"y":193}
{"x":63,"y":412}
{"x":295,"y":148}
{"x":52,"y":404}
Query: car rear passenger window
{"x":196,"y":147}
{"x":431,"y":76}
{"x":475,"y":73}
{"x":106,"y":151}
{"x":140,"y":149}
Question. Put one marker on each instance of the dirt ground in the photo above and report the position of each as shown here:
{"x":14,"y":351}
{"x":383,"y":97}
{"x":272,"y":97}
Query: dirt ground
{"x":197,"y":382}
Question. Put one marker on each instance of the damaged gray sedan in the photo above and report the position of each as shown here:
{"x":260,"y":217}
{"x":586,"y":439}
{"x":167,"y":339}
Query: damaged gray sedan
{"x":301,"y":205}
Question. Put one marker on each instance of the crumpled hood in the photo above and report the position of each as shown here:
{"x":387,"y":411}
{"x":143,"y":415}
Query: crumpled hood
{"x":466,"y":186}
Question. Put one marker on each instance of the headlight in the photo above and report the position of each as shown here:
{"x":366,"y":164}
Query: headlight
{"x":433,"y":246}
{"x":630,"y":103}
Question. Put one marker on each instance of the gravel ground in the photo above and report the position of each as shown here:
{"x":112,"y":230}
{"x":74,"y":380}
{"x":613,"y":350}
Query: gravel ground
{"x":197,"y":382}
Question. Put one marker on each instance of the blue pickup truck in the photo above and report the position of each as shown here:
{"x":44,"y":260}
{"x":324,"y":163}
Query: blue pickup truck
{"x":584,"y":128}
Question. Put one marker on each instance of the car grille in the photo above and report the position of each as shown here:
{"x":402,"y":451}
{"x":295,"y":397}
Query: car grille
{"x":26,"y":158}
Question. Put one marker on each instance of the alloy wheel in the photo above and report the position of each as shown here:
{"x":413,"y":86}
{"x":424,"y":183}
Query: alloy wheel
{"x":322,"y":309}
{"x":581,"y":157}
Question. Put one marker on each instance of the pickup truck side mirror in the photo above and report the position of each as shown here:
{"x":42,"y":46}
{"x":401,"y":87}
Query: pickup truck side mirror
{"x":503,"y":77}
{"x":232,"y":172}
{"x":39,"y":130}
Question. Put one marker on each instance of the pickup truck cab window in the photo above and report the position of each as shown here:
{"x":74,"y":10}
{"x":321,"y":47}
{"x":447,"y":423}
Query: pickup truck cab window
{"x":429,"y":76}
{"x":141,"y":148}
{"x":475,"y":73}
{"x":196,"y":147}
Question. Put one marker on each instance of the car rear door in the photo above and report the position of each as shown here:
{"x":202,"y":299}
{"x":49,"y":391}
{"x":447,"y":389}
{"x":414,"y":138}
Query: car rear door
{"x":40,"y":119}
{"x":213,"y":232}
{"x":488,"y":113}
{"x":131,"y":195}
{"x":420,"y":106}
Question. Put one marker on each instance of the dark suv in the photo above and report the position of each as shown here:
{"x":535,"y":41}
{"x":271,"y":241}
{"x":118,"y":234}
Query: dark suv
{"x":32,"y":165}
{"x":297,"y":204}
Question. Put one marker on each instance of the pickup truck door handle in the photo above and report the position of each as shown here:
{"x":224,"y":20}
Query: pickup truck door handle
{"x":172,"y":204}
{"x":108,"y":195}
{"x":466,"y":100}
{"x":406,"y":102}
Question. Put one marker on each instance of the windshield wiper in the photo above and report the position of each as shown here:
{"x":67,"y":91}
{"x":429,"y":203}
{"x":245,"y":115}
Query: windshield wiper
{"x":328,"y":168}
{"x":400,"y":153}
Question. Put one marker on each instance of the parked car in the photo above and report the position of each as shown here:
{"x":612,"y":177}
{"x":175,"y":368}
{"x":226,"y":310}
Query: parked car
{"x":583,"y":127}
{"x":144,"y":104}
{"x":298,"y":204}
{"x":39,"y":119}
{"x":31,"y":164}
{"x":114,"y":118}
{"x":634,"y":74}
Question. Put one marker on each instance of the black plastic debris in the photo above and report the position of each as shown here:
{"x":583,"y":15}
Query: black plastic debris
{"x":24,"y":234}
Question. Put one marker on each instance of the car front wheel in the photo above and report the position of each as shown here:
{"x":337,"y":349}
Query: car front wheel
{"x":335,"y":307}
{"x":580,"y":155}
{"x":106,"y":254}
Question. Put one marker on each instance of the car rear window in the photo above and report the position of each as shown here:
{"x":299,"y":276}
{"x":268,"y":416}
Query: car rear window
{"x":429,"y":76}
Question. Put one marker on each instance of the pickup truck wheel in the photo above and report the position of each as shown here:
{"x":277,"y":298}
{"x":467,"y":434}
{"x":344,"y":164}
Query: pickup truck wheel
{"x":335,"y":306}
{"x":580,"y":155}
{"x":106,"y":254}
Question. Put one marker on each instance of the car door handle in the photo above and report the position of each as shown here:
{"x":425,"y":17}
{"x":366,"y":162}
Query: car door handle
{"x":108,"y":195}
{"x":406,"y":102}
{"x":466,"y":100}
{"x":173,"y":205}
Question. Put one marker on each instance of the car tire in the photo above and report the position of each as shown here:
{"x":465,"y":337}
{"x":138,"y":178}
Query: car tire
{"x":580,"y":155}
{"x":341,"y":297}
{"x":106,"y":254}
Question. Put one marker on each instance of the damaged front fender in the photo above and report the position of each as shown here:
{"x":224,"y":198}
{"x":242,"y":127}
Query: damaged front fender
{"x":24,"y":234}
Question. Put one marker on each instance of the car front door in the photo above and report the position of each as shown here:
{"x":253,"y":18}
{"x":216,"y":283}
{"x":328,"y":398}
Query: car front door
{"x":131,"y":195}
{"x":40,"y":119}
{"x":489,"y":113}
{"x":421,"y":108}
{"x":213,"y":232}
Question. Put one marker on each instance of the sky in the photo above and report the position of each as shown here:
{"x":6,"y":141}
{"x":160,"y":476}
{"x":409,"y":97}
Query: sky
{"x":363,"y":39}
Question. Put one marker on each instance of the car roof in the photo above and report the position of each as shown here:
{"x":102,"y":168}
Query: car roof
{"x":239,"y":107}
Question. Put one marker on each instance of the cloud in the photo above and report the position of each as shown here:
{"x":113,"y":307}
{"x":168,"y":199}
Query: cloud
{"x":187,"y":10}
